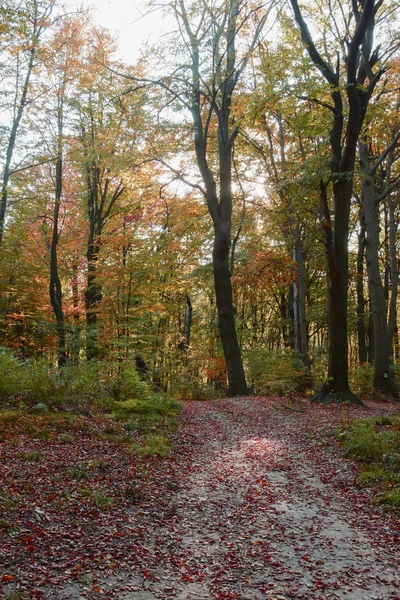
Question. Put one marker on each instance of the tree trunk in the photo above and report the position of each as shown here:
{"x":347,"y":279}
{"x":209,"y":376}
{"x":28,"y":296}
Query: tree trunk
{"x":55,"y":282}
{"x":75,"y":303}
{"x":226,"y":317}
{"x":187,"y":322}
{"x":384,"y":376}
{"x":13,"y":133}
{"x":93,"y":296}
{"x":394,"y":274}
{"x":336,"y":389}
{"x":357,"y":77}
{"x":361,"y":332}
{"x":300,"y":296}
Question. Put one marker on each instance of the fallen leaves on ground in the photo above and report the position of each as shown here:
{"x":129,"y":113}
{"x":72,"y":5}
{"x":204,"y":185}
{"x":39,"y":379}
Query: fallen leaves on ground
{"x":253,"y":503}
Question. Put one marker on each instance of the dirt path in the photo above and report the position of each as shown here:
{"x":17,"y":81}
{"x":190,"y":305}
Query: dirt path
{"x":256,"y":503}
{"x":263,"y":515}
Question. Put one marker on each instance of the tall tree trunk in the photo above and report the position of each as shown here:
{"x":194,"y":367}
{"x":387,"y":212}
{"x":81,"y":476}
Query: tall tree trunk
{"x":226,"y":317}
{"x":371,"y":343}
{"x":20,"y":104}
{"x":336,"y":251}
{"x":359,"y":83}
{"x":384,"y":376}
{"x":394,"y":274}
{"x":219,"y":205}
{"x":300,"y":296}
{"x":55,"y":282}
{"x":361,"y":331}
{"x":93,"y":296}
{"x":75,"y":303}
{"x":187,"y":325}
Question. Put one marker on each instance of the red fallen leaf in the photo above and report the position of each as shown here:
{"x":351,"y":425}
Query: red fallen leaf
{"x":8,"y":577}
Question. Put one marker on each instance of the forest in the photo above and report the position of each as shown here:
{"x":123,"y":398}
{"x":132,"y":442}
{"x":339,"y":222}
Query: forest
{"x":221,"y":214}
{"x":199,"y":328}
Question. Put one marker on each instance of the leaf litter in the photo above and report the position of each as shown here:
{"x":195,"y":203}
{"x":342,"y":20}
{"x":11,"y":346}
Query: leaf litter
{"x":253,"y":503}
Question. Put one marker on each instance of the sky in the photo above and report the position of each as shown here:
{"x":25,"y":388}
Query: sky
{"x":128,"y":19}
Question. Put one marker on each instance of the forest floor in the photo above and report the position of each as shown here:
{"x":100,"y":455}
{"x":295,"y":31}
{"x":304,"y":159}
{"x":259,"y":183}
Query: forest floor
{"x":256,"y":501}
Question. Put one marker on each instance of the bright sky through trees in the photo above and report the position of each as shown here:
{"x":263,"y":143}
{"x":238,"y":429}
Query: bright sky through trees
{"x":131,"y":22}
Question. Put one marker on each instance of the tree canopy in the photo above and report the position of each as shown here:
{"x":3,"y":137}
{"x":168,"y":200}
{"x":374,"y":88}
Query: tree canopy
{"x":224,"y":210}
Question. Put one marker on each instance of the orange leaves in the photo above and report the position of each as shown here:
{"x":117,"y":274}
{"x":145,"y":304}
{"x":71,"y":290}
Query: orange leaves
{"x":266,"y":267}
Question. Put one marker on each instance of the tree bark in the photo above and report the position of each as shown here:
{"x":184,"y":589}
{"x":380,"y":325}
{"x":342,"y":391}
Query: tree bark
{"x":55,"y":282}
{"x":361,"y":303}
{"x":300,"y":300}
{"x":384,"y":376}
{"x":226,"y":317}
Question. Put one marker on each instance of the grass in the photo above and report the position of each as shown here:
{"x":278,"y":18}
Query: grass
{"x":153,"y":445}
{"x":78,"y":472}
{"x":375,"y":444}
{"x":97,"y":497}
{"x":32,"y":455}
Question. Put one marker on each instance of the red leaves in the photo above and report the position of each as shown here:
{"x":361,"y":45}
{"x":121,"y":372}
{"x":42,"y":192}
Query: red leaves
{"x":250,"y":506}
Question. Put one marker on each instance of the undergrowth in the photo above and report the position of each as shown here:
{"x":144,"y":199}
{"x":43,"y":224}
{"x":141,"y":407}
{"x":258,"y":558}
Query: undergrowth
{"x":99,"y":399}
{"x":375,"y":444}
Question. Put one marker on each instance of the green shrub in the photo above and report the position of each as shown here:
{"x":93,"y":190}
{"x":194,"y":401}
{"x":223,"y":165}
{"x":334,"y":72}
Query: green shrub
{"x":189,"y":385}
{"x":98,"y":497}
{"x":372,"y":475}
{"x":375,"y":442}
{"x":38,"y":386}
{"x":39,"y":381}
{"x":81,"y":384}
{"x":363,"y":379}
{"x":11,"y":372}
{"x":146,"y":413}
{"x":276,"y":373}
{"x":362,"y":442}
{"x":127,"y":384}
{"x":390,"y":498}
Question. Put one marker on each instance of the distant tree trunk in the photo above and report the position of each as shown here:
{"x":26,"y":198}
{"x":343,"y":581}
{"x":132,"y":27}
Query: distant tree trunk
{"x":187,"y":323}
{"x":392,"y":205}
{"x":292,"y":312}
{"x":361,"y":332}
{"x":75,"y":303}
{"x":300,"y":301}
{"x":93,"y":293}
{"x":18,"y":112}
{"x":371,"y":343}
{"x":298,"y":339}
{"x":55,"y":282}
{"x":384,"y":376}
{"x":284,"y":310}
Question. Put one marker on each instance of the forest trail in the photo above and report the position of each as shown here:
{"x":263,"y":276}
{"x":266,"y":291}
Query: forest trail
{"x":256,"y":502}
{"x":266,"y":512}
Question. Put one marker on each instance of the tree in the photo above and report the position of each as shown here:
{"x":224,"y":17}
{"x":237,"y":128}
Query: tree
{"x":31,"y":21}
{"x":352,"y":81}
{"x":205,"y":86}
{"x":384,"y":376}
